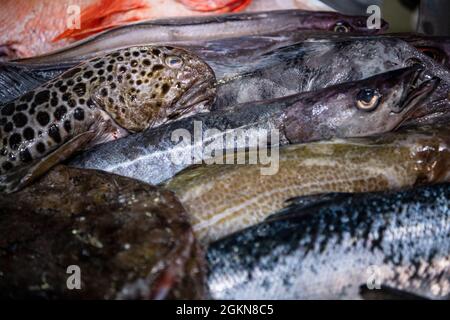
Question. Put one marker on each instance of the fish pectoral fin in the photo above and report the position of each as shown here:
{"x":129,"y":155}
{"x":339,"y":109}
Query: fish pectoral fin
{"x":306,"y":202}
{"x":387,"y":293}
{"x":21,"y":176}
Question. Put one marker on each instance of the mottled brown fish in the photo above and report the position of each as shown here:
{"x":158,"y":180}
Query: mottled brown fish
{"x":103,"y":99}
{"x":130,"y":240}
{"x":223,"y":198}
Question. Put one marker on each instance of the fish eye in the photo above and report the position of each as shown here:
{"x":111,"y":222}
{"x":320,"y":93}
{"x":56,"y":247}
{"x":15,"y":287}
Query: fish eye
{"x":368,"y":99}
{"x":174,"y":62}
{"x":342,"y":27}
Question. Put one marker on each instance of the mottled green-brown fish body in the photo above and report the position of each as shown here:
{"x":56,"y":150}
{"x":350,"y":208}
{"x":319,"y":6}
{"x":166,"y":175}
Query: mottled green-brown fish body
{"x":223,"y":198}
{"x":102,"y":99}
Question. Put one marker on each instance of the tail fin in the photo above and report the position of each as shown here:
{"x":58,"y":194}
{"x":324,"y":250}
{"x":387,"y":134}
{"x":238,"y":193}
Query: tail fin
{"x":96,"y":18}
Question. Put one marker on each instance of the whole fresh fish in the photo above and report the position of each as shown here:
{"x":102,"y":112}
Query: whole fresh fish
{"x":224,"y":198}
{"x":102,"y":99}
{"x":175,"y":30}
{"x":129,"y":240}
{"x":257,"y":74}
{"x":335,"y":246}
{"x":157,"y":154}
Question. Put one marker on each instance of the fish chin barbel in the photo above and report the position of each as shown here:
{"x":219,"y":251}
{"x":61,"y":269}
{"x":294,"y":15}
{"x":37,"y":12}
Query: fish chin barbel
{"x":103,"y":99}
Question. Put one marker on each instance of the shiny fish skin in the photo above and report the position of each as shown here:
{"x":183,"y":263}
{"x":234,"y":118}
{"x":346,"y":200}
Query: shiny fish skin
{"x":102,"y":99}
{"x":266,"y":71}
{"x":147,"y":156}
{"x":224,"y":198}
{"x":311,"y":65}
{"x":205,"y":28}
{"x":329,"y":250}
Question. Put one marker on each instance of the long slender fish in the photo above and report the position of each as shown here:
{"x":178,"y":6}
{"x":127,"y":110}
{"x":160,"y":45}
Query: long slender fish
{"x":100,"y":100}
{"x":224,"y":198}
{"x":345,"y":110}
{"x":268,"y":71}
{"x":340,"y":248}
{"x":209,"y":28}
{"x":129,"y":239}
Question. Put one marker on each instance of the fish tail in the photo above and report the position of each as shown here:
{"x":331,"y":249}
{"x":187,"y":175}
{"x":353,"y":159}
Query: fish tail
{"x":94,"y":18}
{"x":14,"y":80}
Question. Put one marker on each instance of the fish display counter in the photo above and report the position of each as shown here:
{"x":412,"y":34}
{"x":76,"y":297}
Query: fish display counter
{"x":224,"y":150}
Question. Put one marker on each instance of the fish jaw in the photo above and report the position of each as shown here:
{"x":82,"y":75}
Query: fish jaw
{"x":154,"y":84}
{"x":199,"y":98}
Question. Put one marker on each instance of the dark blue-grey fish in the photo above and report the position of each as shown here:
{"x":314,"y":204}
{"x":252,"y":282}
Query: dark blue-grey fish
{"x":339,"y":246}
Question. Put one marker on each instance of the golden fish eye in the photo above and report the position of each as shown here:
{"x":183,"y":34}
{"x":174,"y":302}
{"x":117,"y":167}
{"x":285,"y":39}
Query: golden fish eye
{"x":341,"y":27}
{"x":174,"y":62}
{"x":368,"y":99}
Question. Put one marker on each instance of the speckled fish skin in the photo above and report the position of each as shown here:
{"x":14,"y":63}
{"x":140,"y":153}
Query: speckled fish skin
{"x":437,"y":48}
{"x":148,"y":156}
{"x":311,"y":65}
{"x":176,"y":30}
{"x":333,"y":248}
{"x":256,"y":68}
{"x":131,"y":240}
{"x":224,"y":198}
{"x":100,"y":100}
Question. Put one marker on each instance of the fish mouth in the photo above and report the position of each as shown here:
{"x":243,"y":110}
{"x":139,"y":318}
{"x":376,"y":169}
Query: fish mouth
{"x":199,"y":97}
{"x":418,"y":88}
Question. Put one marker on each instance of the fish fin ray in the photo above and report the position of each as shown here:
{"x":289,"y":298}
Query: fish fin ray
{"x":302,"y":203}
{"x":21,"y":176}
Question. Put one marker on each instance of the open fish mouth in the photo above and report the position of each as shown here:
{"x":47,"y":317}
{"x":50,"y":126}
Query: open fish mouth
{"x":419,"y":87}
{"x":200,"y":96}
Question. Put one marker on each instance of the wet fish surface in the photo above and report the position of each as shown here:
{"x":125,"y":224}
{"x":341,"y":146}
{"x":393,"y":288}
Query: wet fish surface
{"x":157,"y":154}
{"x":331,"y":248}
{"x":266,"y":71}
{"x":224,"y":198}
{"x":129,"y":239}
{"x":208,"y":28}
{"x":100,"y":100}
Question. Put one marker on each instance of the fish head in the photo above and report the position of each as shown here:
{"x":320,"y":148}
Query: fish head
{"x":156,"y":85}
{"x":371,"y":106}
{"x":383,"y":102}
{"x":436,"y":48}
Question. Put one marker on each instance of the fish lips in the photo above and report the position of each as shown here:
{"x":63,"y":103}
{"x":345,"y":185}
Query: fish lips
{"x":418,"y":88}
{"x":199,"y":97}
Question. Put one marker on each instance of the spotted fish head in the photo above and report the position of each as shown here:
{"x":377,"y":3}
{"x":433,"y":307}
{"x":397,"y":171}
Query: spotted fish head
{"x":153,"y":85}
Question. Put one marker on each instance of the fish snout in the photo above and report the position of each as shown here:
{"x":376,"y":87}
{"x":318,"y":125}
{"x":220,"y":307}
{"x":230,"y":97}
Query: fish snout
{"x":420,"y":85}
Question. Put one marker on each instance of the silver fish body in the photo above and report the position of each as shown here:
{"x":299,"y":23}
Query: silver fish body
{"x":337,"y":246}
{"x":184,"y":29}
{"x":156,"y":155}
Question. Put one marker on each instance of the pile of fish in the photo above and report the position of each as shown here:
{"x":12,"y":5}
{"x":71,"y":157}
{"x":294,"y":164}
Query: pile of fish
{"x":270,"y":155}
